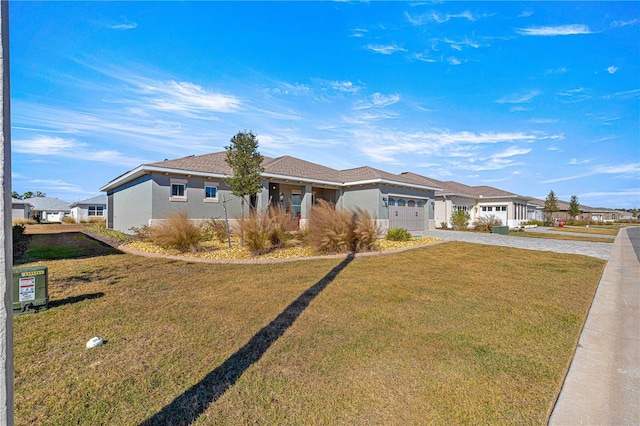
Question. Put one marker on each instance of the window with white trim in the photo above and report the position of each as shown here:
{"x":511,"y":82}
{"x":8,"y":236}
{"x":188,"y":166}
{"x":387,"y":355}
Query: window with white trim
{"x":96,"y":210}
{"x":178,"y":190}
{"x":211,"y":193}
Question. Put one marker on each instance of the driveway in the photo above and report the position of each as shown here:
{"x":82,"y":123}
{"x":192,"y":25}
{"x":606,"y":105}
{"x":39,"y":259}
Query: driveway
{"x":598,"y":250}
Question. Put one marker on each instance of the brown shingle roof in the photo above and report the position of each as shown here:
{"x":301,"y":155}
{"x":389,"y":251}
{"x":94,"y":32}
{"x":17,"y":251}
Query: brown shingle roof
{"x":291,"y":166}
{"x":207,"y":163}
{"x":451,"y":187}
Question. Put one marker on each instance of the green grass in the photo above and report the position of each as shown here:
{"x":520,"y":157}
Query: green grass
{"x":63,"y":246}
{"x":453,"y":333}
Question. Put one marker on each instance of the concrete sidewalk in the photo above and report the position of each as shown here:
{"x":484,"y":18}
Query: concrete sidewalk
{"x":602,"y":386}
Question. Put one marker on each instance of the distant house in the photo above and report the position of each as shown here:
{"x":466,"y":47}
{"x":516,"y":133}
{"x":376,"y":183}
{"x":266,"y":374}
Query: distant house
{"x":90,"y":208}
{"x":195,"y":184}
{"x":479,"y":201}
{"x":20,"y":209}
{"x":587,"y":213}
{"x":48,"y":209}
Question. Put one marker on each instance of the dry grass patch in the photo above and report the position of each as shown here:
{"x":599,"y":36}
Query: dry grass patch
{"x":451,"y":333}
{"x":568,"y":236}
{"x":590,"y":230}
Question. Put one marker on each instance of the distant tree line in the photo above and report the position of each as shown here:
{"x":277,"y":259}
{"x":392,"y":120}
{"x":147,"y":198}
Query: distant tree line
{"x":27,"y":194}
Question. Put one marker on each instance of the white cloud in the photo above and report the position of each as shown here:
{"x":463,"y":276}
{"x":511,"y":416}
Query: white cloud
{"x":616,"y":24}
{"x":358,"y":33}
{"x":511,"y":152}
{"x":571,"y":92}
{"x":454,"y":61}
{"x":561,"y":70}
{"x":378,"y":100}
{"x":344,"y":86}
{"x":124,"y":25}
{"x":444,"y":17}
{"x":423,"y":57}
{"x":383,"y":49}
{"x":627,"y":94}
{"x":60,"y":185}
{"x":187,"y":97}
{"x":612,"y":69}
{"x":43,"y":145}
{"x":459,"y":44}
{"x":622,"y":170}
{"x":381,"y":100}
{"x":544,"y":120}
{"x":519,"y":97}
{"x":526,"y":14}
{"x":555,"y":30}
{"x":384,"y":145}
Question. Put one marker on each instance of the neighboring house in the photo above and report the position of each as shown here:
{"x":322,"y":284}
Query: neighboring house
{"x":20,"y":209}
{"x":48,"y":209}
{"x":594,"y":214}
{"x":90,"y":208}
{"x":195,"y":184}
{"x":479,"y":201}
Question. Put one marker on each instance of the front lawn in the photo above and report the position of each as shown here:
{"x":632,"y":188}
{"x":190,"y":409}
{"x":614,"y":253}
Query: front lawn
{"x":450,"y":333}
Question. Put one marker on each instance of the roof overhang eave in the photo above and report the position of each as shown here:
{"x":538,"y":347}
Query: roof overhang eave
{"x":300,"y":179}
{"x":144,"y":170}
{"x":390,"y":182}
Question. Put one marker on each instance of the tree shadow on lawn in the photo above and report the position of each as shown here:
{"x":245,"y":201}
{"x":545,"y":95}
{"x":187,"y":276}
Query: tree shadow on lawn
{"x":74,"y":299}
{"x":186,"y":408}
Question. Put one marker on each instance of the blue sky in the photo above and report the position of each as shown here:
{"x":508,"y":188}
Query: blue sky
{"x":526,"y":97}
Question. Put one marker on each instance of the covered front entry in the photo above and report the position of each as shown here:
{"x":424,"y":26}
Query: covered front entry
{"x":407,"y":214}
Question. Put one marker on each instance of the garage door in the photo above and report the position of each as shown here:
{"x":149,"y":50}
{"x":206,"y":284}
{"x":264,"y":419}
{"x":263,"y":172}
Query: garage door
{"x":407,"y":214}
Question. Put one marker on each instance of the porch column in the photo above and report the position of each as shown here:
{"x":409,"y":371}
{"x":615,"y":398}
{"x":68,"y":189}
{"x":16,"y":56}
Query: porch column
{"x":305,"y":205}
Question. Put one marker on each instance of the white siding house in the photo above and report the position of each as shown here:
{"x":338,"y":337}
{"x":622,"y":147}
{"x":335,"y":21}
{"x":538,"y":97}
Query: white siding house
{"x":91,"y":208}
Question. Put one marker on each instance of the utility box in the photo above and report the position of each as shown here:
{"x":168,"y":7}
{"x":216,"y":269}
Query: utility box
{"x":502,"y":230}
{"x":30,"y":293}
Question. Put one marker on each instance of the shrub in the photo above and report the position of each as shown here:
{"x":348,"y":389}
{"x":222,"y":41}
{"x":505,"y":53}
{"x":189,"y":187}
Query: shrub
{"x":176,"y":232}
{"x":398,"y":234}
{"x":100,"y":221}
{"x":486,"y":223}
{"x":142,"y":233}
{"x":213,"y":229}
{"x":20,"y":241}
{"x":68,"y":220}
{"x":24,"y":222}
{"x":534,"y":222}
{"x":460,"y":220}
{"x":444,"y":225}
{"x":109,"y":233}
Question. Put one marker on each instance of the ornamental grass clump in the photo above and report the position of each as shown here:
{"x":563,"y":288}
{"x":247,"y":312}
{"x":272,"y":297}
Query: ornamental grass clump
{"x":282,"y":225}
{"x":176,"y":232}
{"x":366,"y":231}
{"x":486,"y":223}
{"x":330,"y":230}
{"x":339,"y":231}
{"x":256,"y":228}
